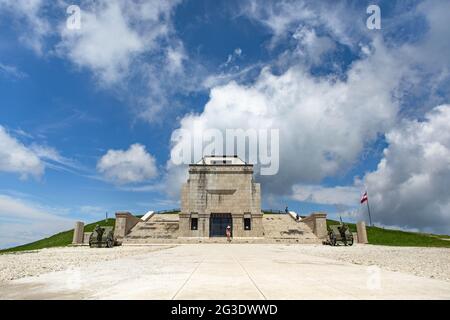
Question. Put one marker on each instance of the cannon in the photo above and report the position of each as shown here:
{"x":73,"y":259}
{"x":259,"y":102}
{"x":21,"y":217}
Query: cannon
{"x":102,"y":237}
{"x":340,"y":233}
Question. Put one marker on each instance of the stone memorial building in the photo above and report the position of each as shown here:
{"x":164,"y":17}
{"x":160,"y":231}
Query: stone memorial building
{"x":220,"y":192}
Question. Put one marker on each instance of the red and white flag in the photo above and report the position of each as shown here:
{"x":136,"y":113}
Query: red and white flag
{"x":364,"y":197}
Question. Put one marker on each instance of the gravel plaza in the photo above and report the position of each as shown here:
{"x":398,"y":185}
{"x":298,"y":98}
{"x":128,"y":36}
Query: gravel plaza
{"x":227,"y":271}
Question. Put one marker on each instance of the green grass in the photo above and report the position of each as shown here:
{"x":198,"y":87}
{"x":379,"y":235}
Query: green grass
{"x":376,"y":235}
{"x":58,"y":240}
{"x":388,"y":237}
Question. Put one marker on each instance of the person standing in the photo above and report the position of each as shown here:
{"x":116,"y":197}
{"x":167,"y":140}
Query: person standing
{"x":228,"y":233}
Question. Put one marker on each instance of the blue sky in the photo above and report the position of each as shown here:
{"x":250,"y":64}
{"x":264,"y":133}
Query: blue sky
{"x":87,"y":115}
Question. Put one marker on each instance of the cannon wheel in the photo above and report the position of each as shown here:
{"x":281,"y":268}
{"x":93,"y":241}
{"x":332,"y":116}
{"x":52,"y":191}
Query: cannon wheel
{"x":109,"y":243}
{"x":332,"y":240}
{"x":350,"y":243}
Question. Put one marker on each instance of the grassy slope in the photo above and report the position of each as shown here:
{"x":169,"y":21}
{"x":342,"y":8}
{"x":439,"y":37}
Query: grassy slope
{"x":58,"y":240}
{"x":388,"y":237}
{"x":376,"y":235}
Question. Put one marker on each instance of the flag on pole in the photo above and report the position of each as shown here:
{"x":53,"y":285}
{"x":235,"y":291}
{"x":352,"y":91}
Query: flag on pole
{"x":364,"y":198}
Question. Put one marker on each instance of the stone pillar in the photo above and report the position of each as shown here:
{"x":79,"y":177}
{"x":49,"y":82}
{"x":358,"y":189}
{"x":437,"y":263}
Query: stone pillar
{"x":257,"y":225}
{"x":203,"y":225}
{"x":78,"y":233}
{"x":124,"y":222}
{"x":184,"y":225}
{"x":362,"y":232}
{"x":238,"y":225}
{"x":318,"y":224}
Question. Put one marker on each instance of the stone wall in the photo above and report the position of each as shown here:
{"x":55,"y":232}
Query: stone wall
{"x":318,"y":223}
{"x":125,"y":221}
{"x":221,"y":189}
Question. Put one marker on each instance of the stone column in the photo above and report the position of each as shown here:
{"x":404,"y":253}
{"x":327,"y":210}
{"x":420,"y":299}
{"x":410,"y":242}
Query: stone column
{"x":184,"y":226}
{"x":78,"y":233}
{"x":257,"y":225}
{"x":203,"y":225}
{"x":362,"y":232}
{"x":238,"y":225}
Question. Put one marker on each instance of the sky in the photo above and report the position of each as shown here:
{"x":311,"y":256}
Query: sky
{"x":93,"y":95}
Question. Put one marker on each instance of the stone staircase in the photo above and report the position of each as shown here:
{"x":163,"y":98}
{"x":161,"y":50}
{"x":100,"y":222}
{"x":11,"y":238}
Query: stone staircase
{"x":284,"y":228}
{"x":163,"y":229}
{"x":158,"y":227}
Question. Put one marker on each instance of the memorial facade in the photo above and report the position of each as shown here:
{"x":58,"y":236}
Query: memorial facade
{"x":220,"y":192}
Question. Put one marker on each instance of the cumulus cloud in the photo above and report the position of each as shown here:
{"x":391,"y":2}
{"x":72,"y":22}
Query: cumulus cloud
{"x":410,"y":187}
{"x":114,"y":33}
{"x":338,"y":195}
{"x":324,"y":122}
{"x":127,"y":166}
{"x":311,"y":44}
{"x":33,"y":159}
{"x":17,"y":158}
{"x":283,"y":18}
{"x":118,"y":42}
{"x":105,"y":43}
{"x":23,"y":221}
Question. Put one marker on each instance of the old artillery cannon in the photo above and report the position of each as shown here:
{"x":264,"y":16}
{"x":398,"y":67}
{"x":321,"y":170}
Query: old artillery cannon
{"x":102,"y":237}
{"x":339,"y":233}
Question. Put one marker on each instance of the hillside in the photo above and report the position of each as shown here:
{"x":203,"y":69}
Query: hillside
{"x":388,"y":237}
{"x":58,"y":240}
{"x":376,"y":235}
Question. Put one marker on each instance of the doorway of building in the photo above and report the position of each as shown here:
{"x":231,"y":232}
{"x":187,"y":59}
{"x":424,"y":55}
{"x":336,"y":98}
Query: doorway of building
{"x":218,"y":223}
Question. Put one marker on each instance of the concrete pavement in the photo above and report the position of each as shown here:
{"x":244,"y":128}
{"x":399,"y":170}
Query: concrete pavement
{"x":225,"y":271}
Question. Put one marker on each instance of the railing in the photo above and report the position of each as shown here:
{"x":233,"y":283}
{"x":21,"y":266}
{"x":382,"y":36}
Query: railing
{"x":271,"y":211}
{"x":168,"y":211}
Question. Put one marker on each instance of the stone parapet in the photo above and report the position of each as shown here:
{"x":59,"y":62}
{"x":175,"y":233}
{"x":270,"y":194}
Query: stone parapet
{"x":125,"y":221}
{"x":317,"y":221}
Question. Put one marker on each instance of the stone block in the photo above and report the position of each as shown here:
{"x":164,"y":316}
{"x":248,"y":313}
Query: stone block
{"x":78,"y":233}
{"x":362,"y":232}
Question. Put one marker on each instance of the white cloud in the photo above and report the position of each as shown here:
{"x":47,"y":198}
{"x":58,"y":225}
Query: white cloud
{"x":119,"y":42}
{"x":17,"y":158}
{"x":11,"y":72}
{"x":283,"y":18}
{"x":104,"y":43}
{"x":174,"y":57}
{"x":310,"y":45}
{"x":433,"y":48}
{"x":34,"y":27}
{"x":129,"y":166}
{"x":22,"y":222}
{"x":410,"y":187}
{"x":338,"y":195}
{"x":53,"y":159}
{"x":113,"y":34}
{"x":324,"y":123}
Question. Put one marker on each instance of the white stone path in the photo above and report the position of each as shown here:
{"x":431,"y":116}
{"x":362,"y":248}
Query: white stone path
{"x":225,"y":271}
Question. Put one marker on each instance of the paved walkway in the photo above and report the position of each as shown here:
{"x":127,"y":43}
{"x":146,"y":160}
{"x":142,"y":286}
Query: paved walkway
{"x":225,"y":271}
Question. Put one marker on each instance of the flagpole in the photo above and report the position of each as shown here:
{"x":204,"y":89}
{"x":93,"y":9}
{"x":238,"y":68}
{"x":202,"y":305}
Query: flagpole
{"x":368,"y":209}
